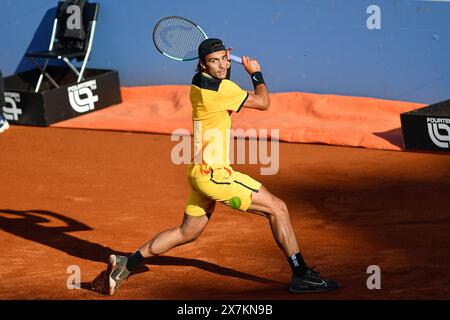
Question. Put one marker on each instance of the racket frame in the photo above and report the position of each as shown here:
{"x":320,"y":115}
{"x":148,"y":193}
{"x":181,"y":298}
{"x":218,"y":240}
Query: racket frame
{"x":232,"y":57}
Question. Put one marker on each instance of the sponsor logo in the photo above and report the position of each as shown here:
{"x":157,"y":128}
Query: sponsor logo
{"x":11,"y":111}
{"x":81,"y":96}
{"x":439,"y":131}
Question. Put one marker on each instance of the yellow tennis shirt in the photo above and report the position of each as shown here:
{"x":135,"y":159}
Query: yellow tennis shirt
{"x":213,"y":102}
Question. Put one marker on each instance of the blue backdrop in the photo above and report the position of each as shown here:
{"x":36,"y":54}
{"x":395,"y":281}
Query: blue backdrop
{"x":320,"y":46}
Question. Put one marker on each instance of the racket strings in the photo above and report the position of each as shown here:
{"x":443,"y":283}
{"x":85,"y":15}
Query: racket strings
{"x":178,"y":38}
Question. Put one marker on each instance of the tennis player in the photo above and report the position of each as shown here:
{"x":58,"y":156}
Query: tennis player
{"x":214,"y":99}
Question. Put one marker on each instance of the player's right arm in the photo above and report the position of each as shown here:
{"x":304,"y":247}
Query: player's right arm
{"x":260,"y":98}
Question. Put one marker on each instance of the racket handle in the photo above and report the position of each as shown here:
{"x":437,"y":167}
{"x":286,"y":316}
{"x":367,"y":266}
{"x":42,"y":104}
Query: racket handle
{"x":236,"y":59}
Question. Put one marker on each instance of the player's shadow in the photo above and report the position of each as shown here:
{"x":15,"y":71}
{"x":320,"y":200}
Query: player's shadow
{"x":30,"y":225}
{"x":207,"y":266}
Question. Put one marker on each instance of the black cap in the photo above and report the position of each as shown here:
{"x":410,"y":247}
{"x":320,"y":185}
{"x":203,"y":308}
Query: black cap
{"x":208,"y":46}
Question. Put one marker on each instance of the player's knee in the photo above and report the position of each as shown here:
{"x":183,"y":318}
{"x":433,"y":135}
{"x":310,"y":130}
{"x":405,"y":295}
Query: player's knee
{"x":279,"y":208}
{"x":283,"y":207}
{"x":190,"y":234}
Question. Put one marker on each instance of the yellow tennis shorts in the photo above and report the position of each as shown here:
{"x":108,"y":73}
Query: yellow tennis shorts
{"x":220,"y":184}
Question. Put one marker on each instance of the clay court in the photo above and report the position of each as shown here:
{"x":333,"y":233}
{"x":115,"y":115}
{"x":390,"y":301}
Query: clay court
{"x":94,"y":99}
{"x":72,"y":197}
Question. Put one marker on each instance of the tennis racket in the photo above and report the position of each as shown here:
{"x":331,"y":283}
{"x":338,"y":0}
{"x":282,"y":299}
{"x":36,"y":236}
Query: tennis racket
{"x":178,"y":38}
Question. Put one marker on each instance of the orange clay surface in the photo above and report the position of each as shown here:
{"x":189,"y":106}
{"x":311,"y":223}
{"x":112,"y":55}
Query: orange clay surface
{"x":72,"y":197}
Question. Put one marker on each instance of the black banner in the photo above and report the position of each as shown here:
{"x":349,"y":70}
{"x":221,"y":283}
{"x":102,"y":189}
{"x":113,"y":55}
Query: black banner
{"x":427,"y":128}
{"x":101,"y":89}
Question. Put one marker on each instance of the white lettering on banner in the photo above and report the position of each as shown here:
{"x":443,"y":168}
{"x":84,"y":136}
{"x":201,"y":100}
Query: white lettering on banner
{"x":87,"y":103}
{"x":11,"y":111}
{"x":439,"y":139}
{"x":438,"y":120}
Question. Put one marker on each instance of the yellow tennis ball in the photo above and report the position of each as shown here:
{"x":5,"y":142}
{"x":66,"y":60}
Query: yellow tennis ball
{"x":235,"y":202}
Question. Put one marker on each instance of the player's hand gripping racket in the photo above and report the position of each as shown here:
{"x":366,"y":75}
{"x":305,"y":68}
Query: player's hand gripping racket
{"x":178,"y":38}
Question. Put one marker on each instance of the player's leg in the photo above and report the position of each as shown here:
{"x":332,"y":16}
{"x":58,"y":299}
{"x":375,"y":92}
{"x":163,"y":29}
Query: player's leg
{"x":304,"y":279}
{"x":189,"y":230}
{"x":255,"y":198}
{"x":198,"y":210}
{"x":226,"y":184}
{"x":266,"y":204}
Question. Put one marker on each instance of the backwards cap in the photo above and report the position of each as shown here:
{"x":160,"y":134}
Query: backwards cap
{"x":208,"y":46}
